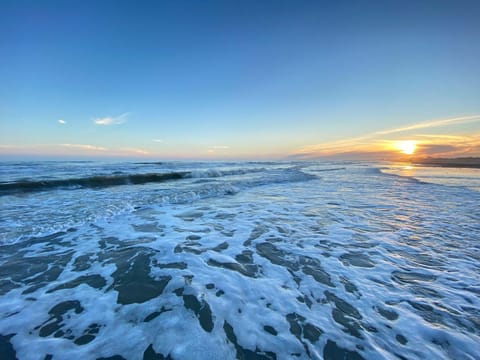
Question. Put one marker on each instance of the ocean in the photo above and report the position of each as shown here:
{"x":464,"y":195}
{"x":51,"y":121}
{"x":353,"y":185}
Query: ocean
{"x":238,"y":260}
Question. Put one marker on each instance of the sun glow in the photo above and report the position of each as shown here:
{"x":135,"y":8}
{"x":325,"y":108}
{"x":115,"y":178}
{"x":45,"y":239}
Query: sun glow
{"x":407,"y":147}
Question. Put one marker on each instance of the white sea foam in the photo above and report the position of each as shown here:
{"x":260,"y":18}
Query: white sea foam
{"x":352,"y":262}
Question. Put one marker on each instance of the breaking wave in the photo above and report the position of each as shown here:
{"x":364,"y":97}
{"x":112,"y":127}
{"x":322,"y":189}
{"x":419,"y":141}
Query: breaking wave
{"x":116,"y":179}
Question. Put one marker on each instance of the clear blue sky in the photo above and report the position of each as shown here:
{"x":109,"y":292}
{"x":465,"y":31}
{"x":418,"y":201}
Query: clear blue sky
{"x":240,"y":79}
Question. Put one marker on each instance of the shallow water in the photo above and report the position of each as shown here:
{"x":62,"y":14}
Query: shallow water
{"x":237,"y":260}
{"x":450,"y":176}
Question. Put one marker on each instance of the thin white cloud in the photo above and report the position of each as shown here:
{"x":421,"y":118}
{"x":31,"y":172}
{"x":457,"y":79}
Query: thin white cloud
{"x":218,"y":149}
{"x":432,"y":124}
{"x":136,"y":151}
{"x":110,"y":120}
{"x":108,"y":151}
{"x":63,"y":122}
{"x":439,"y":136}
{"x":157,"y":140}
{"x":84,"y":147}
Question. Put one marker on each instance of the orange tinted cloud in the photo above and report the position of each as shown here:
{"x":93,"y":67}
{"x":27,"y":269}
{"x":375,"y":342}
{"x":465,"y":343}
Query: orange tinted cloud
{"x":392,"y":143}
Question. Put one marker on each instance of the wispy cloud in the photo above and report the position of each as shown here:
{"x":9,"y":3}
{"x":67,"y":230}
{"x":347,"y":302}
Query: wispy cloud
{"x":157,"y":140}
{"x":109,"y":120}
{"x":107,"y":151}
{"x":135,"y":151}
{"x":63,"y":122}
{"x":68,"y":149}
{"x":431,"y":124}
{"x":444,"y":137}
{"x":376,"y":142}
{"x":84,"y":147}
{"x":218,"y":150}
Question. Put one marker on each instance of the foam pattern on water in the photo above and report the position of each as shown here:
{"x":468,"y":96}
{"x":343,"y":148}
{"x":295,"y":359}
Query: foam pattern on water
{"x":353,"y":264}
{"x":45,"y":212}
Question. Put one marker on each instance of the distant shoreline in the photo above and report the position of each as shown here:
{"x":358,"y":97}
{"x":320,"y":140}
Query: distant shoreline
{"x":471,"y":162}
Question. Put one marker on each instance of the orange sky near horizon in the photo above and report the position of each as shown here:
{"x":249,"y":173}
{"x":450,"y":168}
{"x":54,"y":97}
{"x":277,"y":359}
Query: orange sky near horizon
{"x":448,"y":137}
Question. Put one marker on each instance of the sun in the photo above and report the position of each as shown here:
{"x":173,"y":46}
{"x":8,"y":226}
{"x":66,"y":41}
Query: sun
{"x":407,"y":147}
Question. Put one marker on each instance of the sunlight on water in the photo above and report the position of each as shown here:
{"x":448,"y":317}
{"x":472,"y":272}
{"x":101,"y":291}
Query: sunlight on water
{"x":465,"y":177}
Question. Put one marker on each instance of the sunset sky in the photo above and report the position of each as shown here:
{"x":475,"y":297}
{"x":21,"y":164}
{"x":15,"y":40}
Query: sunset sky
{"x":239,"y":79}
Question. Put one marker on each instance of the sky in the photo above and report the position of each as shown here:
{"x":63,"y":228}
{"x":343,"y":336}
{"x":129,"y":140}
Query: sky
{"x":239,"y":79}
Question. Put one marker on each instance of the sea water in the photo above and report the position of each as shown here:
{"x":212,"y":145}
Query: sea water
{"x":246,"y":260}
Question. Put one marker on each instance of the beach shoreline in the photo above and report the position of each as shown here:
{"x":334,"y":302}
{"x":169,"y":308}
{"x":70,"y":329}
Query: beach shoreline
{"x":470,"y":162}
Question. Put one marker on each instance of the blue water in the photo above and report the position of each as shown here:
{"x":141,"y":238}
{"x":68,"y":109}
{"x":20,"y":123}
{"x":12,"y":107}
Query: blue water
{"x":247,"y":260}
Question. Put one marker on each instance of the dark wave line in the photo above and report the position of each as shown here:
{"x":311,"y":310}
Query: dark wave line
{"x":116,"y":179}
{"x":332,"y":169}
{"x":89,"y":182}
